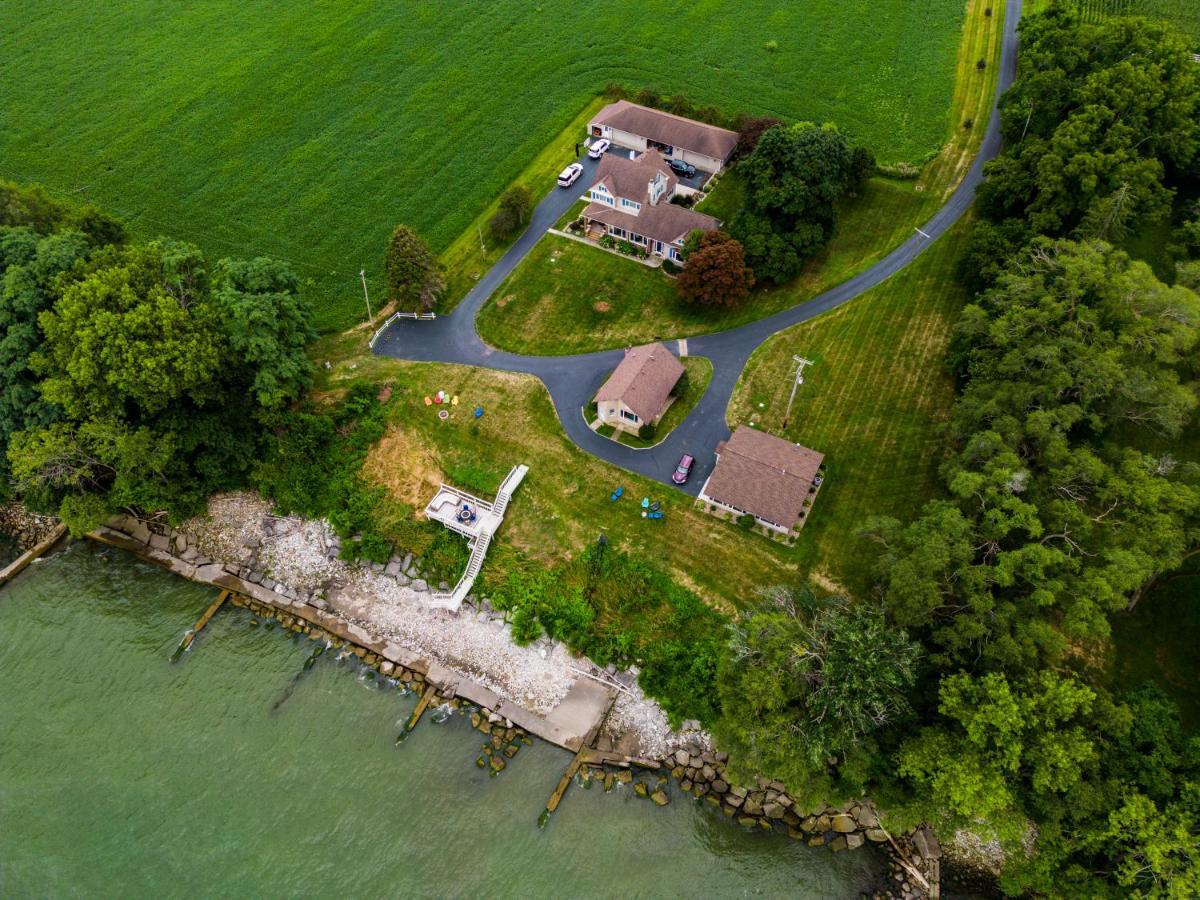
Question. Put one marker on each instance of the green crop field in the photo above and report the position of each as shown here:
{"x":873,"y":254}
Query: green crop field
{"x":306,"y":131}
{"x":1184,"y":14}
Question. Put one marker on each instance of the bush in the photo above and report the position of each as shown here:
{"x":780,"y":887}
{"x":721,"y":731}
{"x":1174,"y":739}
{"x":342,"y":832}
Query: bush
{"x":648,"y":431}
{"x":617,"y":609}
{"x":502,"y":225}
{"x":607,"y":240}
{"x":671,"y":268}
{"x":525,"y":626}
{"x":685,"y":200}
{"x":745,"y":522}
{"x":681,"y":386}
{"x":625,"y":247}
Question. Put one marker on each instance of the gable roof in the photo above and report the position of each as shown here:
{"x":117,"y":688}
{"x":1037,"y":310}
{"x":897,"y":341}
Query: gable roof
{"x":631,"y":178}
{"x":675,"y":131}
{"x":665,"y":222}
{"x":643,"y":380}
{"x":764,"y":475}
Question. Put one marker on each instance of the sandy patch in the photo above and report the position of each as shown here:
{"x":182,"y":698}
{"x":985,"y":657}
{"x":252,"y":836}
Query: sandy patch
{"x":404,"y":468}
{"x":602,"y":306}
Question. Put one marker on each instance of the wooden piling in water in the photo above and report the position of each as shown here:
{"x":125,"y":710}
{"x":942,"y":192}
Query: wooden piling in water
{"x":565,"y":781}
{"x":22,"y":562}
{"x":430,"y":693}
{"x":208,"y":614}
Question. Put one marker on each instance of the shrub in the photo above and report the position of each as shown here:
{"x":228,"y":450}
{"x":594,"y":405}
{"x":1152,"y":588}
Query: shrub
{"x":981,"y":65}
{"x":648,"y":431}
{"x":671,"y":268}
{"x":685,"y":200}
{"x":625,"y":247}
{"x":607,"y":240}
{"x":681,"y":386}
{"x":525,"y":626}
{"x":502,"y":225}
{"x":745,"y":522}
{"x":968,"y":123}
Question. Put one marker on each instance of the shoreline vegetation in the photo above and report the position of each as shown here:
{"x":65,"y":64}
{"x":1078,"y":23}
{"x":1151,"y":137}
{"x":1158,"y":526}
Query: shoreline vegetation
{"x":960,"y":683}
{"x":602,"y":755}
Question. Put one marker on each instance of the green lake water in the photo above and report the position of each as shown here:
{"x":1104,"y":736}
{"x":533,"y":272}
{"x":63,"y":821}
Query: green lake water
{"x":235,"y":772}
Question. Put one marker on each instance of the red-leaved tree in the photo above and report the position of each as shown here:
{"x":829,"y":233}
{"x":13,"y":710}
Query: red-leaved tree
{"x":715,"y":273}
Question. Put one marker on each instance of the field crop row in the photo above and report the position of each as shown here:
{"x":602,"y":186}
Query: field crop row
{"x":307,"y":131}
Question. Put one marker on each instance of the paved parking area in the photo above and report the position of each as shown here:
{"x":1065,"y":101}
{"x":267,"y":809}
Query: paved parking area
{"x":694,"y":182}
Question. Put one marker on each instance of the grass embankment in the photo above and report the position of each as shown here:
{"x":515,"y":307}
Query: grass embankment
{"x":563,"y":505}
{"x":873,"y":403}
{"x":307,"y":132}
{"x":566,"y":297}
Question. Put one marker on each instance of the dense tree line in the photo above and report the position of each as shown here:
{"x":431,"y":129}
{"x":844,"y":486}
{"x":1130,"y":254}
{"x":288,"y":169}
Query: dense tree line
{"x":1067,"y":489}
{"x":1101,"y":130}
{"x":134,"y":375}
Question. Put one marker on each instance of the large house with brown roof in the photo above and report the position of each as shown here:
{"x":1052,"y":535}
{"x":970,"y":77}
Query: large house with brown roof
{"x":763,"y":476}
{"x":626,"y":124}
{"x":640,"y":389}
{"x":631,"y":201}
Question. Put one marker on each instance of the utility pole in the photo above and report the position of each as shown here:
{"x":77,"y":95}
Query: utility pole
{"x":797,"y":380}
{"x":362,"y":273}
{"x":482,"y":248}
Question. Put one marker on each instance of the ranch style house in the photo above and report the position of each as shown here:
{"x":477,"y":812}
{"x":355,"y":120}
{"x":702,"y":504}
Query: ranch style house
{"x":635,"y":127}
{"x":763,"y":476}
{"x":640,"y":389}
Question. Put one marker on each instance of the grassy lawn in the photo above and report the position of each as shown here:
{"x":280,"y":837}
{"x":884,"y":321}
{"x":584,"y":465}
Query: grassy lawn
{"x":562,"y":300}
{"x":563,"y":504}
{"x":306,"y":132}
{"x":474,"y":252}
{"x":873,"y":403}
{"x":699,"y":374}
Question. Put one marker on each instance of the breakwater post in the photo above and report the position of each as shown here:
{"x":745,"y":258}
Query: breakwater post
{"x":430,"y":693}
{"x":199,"y":626}
{"x":22,"y":562}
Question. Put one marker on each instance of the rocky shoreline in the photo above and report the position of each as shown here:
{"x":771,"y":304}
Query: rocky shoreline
{"x":24,"y":527}
{"x":354,"y":609}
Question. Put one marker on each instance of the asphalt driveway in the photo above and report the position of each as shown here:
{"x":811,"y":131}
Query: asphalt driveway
{"x":572,"y":380}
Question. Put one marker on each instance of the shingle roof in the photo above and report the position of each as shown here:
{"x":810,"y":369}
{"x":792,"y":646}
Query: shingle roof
{"x":764,"y":475}
{"x":631,"y":178}
{"x":643,"y":380}
{"x":665,"y":222}
{"x":669,"y":129}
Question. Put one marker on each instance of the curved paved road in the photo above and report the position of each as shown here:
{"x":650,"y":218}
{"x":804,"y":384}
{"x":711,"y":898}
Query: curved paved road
{"x":573,"y":380}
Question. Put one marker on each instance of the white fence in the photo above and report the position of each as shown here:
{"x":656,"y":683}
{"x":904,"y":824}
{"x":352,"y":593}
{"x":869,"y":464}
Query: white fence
{"x":421,"y":317}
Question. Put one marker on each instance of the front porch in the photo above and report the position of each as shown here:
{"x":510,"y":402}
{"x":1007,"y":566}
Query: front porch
{"x":597,"y":234}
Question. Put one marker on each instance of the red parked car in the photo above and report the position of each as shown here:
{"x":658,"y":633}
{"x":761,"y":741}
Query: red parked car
{"x":683,"y":470}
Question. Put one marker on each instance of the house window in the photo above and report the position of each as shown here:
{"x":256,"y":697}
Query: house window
{"x":673,"y":253}
{"x":619,"y":232}
{"x":637,"y":238}
{"x":626,"y":414}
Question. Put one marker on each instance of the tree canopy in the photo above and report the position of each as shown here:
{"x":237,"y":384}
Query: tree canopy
{"x":715,"y":273}
{"x":414,"y":278}
{"x":795,"y":178}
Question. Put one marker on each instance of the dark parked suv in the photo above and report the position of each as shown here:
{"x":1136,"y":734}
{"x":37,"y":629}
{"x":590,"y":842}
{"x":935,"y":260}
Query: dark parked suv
{"x":679,"y":167}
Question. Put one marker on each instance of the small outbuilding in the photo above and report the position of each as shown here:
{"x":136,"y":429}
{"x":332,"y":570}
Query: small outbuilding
{"x":640,"y":389}
{"x":763,"y":476}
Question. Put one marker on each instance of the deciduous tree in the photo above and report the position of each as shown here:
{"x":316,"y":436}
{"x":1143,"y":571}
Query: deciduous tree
{"x":715,"y":273}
